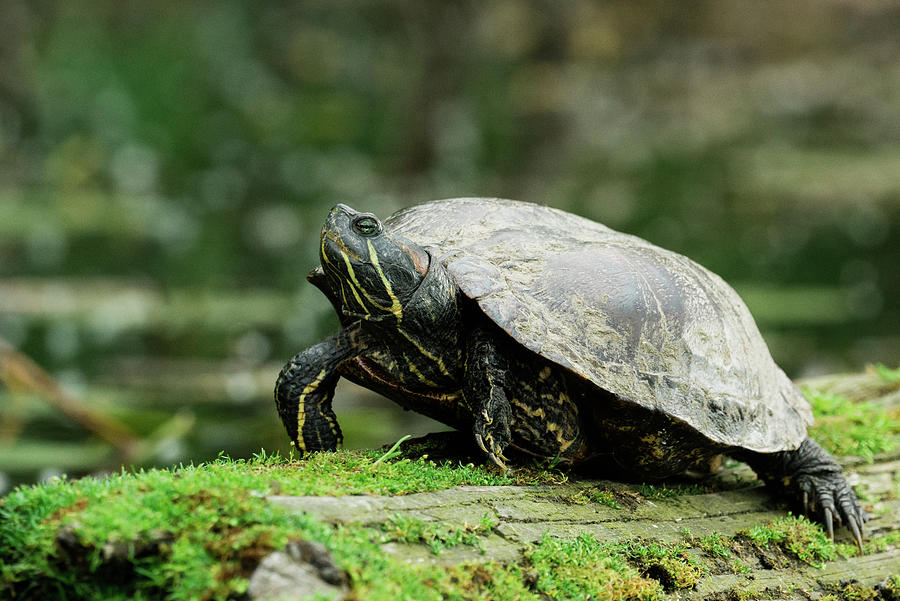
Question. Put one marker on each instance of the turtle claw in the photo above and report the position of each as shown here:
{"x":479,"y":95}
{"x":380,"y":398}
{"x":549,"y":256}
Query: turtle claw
{"x":494,"y":454}
{"x":856,"y":529}
{"x":497,"y":462}
{"x":829,"y":526}
{"x":491,"y":432}
{"x":833,"y":500}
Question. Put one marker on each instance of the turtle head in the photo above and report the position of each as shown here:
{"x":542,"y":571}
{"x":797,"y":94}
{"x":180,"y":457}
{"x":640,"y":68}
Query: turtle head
{"x":373,"y":272}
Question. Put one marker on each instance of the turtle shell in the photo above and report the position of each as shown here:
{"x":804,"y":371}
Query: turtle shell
{"x":647,"y":324}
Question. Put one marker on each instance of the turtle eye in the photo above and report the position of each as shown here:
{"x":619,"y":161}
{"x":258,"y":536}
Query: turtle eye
{"x":367,"y":226}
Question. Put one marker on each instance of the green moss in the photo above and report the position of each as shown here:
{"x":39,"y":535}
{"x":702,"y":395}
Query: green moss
{"x":60,"y":535}
{"x":377,"y":576}
{"x":605,"y":497}
{"x":373,"y":472}
{"x":664,"y":491}
{"x":739,"y":567}
{"x":595,"y":495}
{"x":553,"y":569}
{"x":469,"y":581}
{"x":850,"y":591}
{"x":669,"y":563}
{"x":890,"y":588}
{"x":845,"y":427}
{"x":584,"y":568}
{"x":195,"y":531}
{"x":716,"y":544}
{"x":436,"y":535}
{"x":798,"y":537}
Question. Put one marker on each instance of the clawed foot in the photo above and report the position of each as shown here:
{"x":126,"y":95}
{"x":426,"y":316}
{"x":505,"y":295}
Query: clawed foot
{"x":829,"y":496}
{"x":492,"y":437}
{"x":813,"y":476}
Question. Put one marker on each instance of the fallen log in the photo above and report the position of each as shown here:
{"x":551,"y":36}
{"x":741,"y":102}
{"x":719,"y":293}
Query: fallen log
{"x":729,"y":507}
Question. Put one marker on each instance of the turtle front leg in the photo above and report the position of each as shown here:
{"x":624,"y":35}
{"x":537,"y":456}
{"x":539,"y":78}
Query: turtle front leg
{"x":304,"y":391}
{"x":483,"y":390}
{"x":816,"y":479}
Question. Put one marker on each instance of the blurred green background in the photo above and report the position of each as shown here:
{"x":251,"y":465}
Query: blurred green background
{"x":165,"y":167}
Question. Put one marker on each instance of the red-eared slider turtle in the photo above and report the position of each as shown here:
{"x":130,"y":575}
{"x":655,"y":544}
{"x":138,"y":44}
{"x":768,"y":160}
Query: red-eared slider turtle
{"x":556,"y":336}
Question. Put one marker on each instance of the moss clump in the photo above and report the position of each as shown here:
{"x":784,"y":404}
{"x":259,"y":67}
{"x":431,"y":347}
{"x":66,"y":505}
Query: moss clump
{"x":366,"y":472}
{"x":473,"y":581}
{"x":195,"y":532}
{"x":665,"y":491}
{"x":849,"y":591}
{"x":377,"y":576}
{"x":458,"y":448}
{"x":798,"y":536}
{"x":198,"y":532}
{"x":890,"y":588}
{"x":669,"y":563}
{"x":845,"y":427}
{"x":737,"y":594}
{"x":437,"y":536}
{"x":584,"y":568}
{"x":739,"y":567}
{"x":595,"y":495}
{"x":553,"y":569}
{"x":717,"y":545}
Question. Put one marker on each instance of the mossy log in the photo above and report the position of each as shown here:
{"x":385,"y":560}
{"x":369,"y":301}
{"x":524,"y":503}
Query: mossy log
{"x":683,"y":513}
{"x":386,"y":526}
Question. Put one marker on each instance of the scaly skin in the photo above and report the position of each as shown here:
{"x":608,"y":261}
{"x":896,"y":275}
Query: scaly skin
{"x":305,"y":388}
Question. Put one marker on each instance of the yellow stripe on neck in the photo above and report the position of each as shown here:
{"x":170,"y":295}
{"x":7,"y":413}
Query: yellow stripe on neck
{"x":438,"y":361}
{"x":356,"y":286}
{"x":396,"y":307}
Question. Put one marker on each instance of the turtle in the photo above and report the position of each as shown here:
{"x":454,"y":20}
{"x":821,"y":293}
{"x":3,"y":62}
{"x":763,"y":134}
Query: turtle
{"x":550,"y":335}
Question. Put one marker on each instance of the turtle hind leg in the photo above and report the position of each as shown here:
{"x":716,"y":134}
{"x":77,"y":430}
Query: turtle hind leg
{"x":815,"y":479}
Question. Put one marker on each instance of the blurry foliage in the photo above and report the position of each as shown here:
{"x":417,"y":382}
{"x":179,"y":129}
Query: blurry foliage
{"x":178,"y":157}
